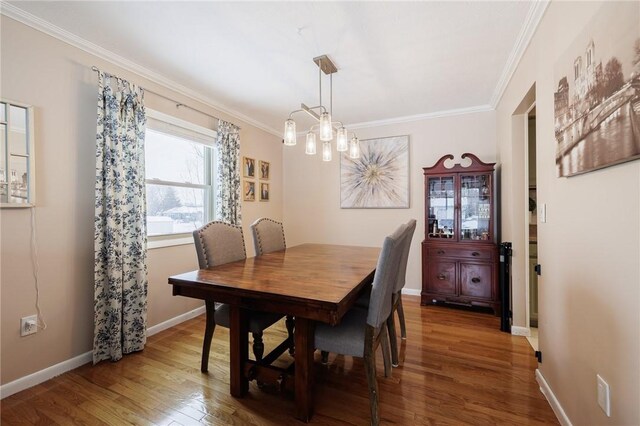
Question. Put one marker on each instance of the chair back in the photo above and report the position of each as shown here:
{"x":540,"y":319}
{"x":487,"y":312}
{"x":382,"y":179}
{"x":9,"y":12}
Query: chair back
{"x":268,"y":236}
{"x":218,"y":243}
{"x":385,"y":278}
{"x":406,"y":243}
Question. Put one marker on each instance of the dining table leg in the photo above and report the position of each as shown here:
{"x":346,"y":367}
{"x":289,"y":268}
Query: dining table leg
{"x":239,"y":350}
{"x":304,"y":377}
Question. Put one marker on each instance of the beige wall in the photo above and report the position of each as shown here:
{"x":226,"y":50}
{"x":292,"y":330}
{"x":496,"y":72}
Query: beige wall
{"x":589,"y":249}
{"x":312,"y":187}
{"x":57,"y":80}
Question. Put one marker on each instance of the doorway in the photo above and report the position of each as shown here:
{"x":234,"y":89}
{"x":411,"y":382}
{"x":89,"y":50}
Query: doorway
{"x":531,"y":275}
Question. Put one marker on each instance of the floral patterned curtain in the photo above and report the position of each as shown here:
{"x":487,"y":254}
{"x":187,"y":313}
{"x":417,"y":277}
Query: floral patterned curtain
{"x":228,"y":173}
{"x":120,"y":271}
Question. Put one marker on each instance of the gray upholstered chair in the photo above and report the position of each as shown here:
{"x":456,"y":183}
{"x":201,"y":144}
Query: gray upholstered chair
{"x":268,"y":236}
{"x":362,"y":330}
{"x":397,"y":294}
{"x":363,"y":300}
{"x":218,"y":243}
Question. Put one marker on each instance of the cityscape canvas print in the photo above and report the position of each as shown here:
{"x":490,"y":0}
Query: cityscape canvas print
{"x":597,"y":101}
{"x":379,"y":178}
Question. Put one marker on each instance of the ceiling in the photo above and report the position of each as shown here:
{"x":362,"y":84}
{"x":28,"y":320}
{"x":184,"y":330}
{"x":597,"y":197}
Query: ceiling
{"x":395,"y":59}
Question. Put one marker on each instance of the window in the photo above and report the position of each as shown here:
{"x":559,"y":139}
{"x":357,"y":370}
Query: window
{"x":17,"y":180}
{"x":179,"y":175}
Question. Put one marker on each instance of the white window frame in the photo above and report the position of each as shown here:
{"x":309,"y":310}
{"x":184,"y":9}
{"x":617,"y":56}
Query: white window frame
{"x":30,"y":155}
{"x":207,"y":138}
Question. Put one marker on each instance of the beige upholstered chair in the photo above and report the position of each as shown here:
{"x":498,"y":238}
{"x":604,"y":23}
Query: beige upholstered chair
{"x":268,"y":236}
{"x":218,"y":243}
{"x":362,"y":330}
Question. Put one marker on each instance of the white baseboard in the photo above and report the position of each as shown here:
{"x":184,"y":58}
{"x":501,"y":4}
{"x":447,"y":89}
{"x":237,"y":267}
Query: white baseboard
{"x":411,"y":291}
{"x":553,"y":401}
{"x":175,"y":321}
{"x":520,"y":331}
{"x":38,"y":377}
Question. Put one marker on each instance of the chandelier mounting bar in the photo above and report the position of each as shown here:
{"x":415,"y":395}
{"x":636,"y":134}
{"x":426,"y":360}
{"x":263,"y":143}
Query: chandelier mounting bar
{"x":325,"y":64}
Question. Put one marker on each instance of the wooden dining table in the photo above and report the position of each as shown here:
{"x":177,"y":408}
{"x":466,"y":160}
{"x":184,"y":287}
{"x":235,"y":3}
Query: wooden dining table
{"x":312,"y":282}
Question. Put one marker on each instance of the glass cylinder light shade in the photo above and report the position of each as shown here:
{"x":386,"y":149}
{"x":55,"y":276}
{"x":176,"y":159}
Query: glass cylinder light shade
{"x":326,"y":151}
{"x":326,"y":129}
{"x":310,"y":146}
{"x":354,"y":148}
{"x":289,"y":132}
{"x":342,"y":140}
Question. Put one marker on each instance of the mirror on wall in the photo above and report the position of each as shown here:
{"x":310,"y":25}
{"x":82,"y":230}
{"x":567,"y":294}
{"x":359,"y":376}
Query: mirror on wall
{"x":17,"y":171}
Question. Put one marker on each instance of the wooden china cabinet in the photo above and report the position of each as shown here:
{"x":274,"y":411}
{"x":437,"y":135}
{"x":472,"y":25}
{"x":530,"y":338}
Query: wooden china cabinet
{"x":459,"y":251}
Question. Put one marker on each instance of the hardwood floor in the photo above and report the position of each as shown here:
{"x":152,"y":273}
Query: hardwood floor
{"x":456,"y":368}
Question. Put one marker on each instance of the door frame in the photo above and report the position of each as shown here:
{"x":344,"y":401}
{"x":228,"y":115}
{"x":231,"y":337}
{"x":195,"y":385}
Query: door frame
{"x":527,"y":271}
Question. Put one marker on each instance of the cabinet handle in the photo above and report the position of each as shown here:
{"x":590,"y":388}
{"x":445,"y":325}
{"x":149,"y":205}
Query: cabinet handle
{"x":475,"y":254}
{"x":440,"y":252}
{"x":442,"y":277}
{"x":475,"y":280}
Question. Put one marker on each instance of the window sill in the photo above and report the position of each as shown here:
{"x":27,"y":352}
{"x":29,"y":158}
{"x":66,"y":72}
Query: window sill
{"x":168,"y":242}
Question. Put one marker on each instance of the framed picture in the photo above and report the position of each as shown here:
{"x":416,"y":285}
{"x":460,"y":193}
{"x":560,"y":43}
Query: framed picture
{"x":249,"y":191}
{"x":264,"y":170}
{"x":264,"y":191}
{"x":597,"y":99}
{"x":248,"y":167}
{"x":379,"y":179}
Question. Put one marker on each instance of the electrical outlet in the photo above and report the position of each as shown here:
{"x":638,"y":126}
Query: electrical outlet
{"x":28,"y":325}
{"x":604,"y":395}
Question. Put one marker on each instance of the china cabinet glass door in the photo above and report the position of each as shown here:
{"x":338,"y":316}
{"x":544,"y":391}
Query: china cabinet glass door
{"x":475,"y":207}
{"x":441,"y":197}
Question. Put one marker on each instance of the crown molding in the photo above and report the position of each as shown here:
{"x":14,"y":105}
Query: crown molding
{"x":65,"y":36}
{"x":532,"y":20}
{"x":418,"y":117}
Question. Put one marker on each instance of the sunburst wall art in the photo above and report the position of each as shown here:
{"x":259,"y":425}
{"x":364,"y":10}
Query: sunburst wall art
{"x":379,"y":179}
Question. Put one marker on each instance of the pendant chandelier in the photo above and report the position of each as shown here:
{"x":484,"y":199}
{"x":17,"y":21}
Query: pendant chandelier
{"x":325,"y":126}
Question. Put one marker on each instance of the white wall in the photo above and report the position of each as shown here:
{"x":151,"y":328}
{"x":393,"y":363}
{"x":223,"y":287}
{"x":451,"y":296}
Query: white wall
{"x":57,"y":80}
{"x":312,"y":210}
{"x":589,"y":249}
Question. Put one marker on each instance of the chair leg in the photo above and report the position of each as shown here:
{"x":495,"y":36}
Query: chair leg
{"x":372,"y":381}
{"x":291,"y":325}
{"x":386,"y":352}
{"x":393,"y":339}
{"x":403,"y":326}
{"x":208,"y":334}
{"x":258,"y":346}
{"x":325,"y":357}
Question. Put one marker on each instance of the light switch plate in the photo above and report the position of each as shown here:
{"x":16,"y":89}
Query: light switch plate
{"x":543,"y":213}
{"x":604,"y":395}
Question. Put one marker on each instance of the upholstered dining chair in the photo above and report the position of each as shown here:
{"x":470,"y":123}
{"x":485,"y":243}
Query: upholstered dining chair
{"x":361,"y":331}
{"x":218,"y":243}
{"x":363,"y":300}
{"x":397,"y":294}
{"x":268,"y":236}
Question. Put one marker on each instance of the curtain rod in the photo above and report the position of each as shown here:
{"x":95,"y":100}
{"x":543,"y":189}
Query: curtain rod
{"x":177,"y":103}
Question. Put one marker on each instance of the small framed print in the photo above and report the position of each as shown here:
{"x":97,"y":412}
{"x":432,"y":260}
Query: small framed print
{"x":249,"y":191}
{"x":248,"y":167}
{"x":264,"y":191}
{"x":264,"y":170}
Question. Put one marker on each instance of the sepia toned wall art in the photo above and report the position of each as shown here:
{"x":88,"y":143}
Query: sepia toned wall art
{"x":379,"y":178}
{"x":597,"y":101}
{"x":249,"y":191}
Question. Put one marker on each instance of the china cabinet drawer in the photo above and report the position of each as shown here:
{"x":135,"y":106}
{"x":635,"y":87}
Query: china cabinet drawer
{"x":441,"y":277}
{"x":471,"y":253}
